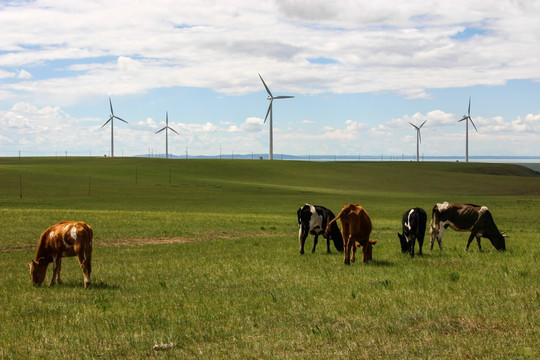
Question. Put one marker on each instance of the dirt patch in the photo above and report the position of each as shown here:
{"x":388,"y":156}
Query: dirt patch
{"x":163,"y":240}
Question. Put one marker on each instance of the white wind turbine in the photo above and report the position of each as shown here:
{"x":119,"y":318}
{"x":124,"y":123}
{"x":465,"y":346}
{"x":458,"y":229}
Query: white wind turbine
{"x":418,"y":139}
{"x":271,"y":98}
{"x":167,"y":128}
{"x":467,"y":118}
{"x":111,"y":120}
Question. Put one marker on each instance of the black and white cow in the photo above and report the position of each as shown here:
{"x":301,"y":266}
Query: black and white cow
{"x":465,"y":217}
{"x":313,"y":220}
{"x":414,"y":227}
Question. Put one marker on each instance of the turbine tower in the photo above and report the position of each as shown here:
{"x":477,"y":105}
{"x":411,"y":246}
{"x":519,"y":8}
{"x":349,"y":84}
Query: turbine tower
{"x":167,"y":128}
{"x":271,"y":98}
{"x":418,"y":139}
{"x":111,"y":120}
{"x":467,"y":118}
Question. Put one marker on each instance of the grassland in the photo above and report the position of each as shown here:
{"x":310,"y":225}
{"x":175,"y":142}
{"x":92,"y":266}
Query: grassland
{"x":203,"y":255}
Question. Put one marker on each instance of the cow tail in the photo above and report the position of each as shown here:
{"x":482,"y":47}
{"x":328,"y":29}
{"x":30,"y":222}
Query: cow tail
{"x":328,"y":227}
{"x":434,"y":219}
{"x":88,"y":248}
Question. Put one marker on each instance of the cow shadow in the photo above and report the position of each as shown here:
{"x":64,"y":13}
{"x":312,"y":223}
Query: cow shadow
{"x":98,"y":285}
{"x":381,"y":263}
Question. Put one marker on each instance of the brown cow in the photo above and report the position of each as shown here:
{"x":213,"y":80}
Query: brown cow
{"x":67,"y":238}
{"x":355,"y":227}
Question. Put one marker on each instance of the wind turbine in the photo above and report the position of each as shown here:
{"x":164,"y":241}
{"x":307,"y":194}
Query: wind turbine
{"x":111,"y":120}
{"x":418,"y":139}
{"x":271,"y":98}
{"x":467,"y":118}
{"x":167,"y":128}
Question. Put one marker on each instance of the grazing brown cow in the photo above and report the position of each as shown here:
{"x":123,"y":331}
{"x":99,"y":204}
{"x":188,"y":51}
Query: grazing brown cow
{"x":355,"y":227}
{"x":67,"y":238}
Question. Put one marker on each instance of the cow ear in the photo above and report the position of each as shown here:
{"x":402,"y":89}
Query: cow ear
{"x":41,"y":261}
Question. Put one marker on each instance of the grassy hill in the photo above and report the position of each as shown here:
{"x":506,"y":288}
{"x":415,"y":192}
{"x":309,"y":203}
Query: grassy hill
{"x":114,"y":194}
{"x":202,"y":256}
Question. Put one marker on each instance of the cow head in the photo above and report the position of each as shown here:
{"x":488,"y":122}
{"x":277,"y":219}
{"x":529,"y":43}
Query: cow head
{"x":404,"y":243}
{"x":38,"y":270}
{"x":338,"y":239}
{"x":498,"y":240}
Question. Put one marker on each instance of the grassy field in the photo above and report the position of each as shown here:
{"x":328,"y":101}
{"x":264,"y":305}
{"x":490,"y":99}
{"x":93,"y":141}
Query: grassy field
{"x":202,"y":257}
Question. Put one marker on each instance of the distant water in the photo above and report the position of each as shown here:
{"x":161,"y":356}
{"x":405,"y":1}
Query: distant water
{"x":478,"y":159}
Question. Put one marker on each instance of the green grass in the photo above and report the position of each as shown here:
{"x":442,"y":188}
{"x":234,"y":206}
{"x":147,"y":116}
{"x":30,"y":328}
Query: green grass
{"x":243,"y":291}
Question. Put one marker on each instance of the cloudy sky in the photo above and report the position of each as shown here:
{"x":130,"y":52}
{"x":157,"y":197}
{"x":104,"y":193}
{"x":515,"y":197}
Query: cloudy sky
{"x":359,"y":72}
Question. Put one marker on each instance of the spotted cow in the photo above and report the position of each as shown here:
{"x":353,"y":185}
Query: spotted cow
{"x":414,"y":227}
{"x":465,"y":217}
{"x":312,"y":219}
{"x":67,"y":238}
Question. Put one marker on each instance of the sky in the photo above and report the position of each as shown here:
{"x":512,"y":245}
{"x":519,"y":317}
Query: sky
{"x":360,"y":73}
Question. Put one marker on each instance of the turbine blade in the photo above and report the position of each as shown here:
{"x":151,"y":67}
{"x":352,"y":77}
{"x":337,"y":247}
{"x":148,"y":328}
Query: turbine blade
{"x":283,"y":97}
{"x":268,"y":111}
{"x":173,"y":130}
{"x":161,"y":130}
{"x":110,"y":103}
{"x":106,"y":122}
{"x":167,"y":118}
{"x":422,"y":124}
{"x":464,"y":118}
{"x":416,"y":127}
{"x":469,"y":111}
{"x":116,"y":117}
{"x":266,"y":87}
{"x":473,"y":124}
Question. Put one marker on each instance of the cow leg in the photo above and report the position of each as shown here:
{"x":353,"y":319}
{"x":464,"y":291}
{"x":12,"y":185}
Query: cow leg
{"x":347,"y":246}
{"x":434,"y":234}
{"x":315,"y":241}
{"x":328,"y":244}
{"x":57,"y":265}
{"x":86,"y":267}
{"x":471,"y":237}
{"x":353,"y":257}
{"x":420,"y":244}
{"x":411,"y":245}
{"x":302,"y":235}
{"x":437,"y":233}
{"x":439,"y":237}
{"x":478,"y":241}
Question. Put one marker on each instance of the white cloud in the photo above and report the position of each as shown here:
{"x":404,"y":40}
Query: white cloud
{"x":380,"y":46}
{"x":252,"y":125}
{"x":401,"y":48}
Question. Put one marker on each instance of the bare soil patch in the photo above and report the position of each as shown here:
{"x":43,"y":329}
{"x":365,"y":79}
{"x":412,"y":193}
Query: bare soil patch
{"x":162,"y":240}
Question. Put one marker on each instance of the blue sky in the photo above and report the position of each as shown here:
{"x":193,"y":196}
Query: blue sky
{"x":359,"y":73}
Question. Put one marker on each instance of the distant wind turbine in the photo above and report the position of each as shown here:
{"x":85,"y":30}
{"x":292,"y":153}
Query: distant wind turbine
{"x":167,"y":128}
{"x":111,"y":120}
{"x":467,"y":118}
{"x":271,"y":98}
{"x":418,"y":139}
